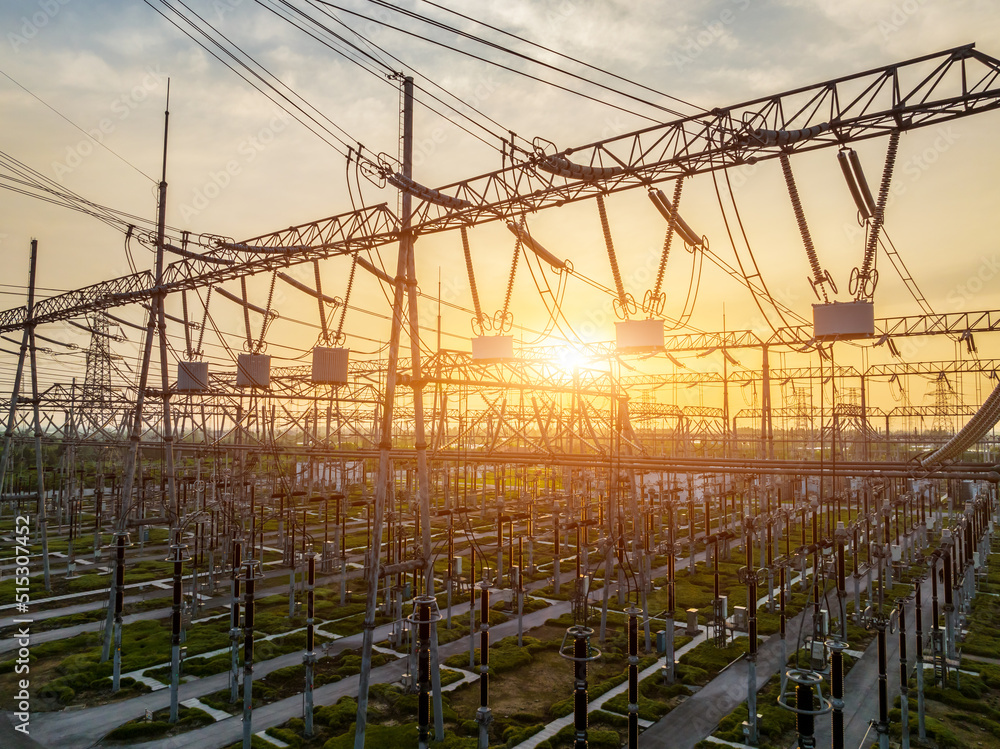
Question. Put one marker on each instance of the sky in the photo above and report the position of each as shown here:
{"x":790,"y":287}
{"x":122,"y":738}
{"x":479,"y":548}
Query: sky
{"x":239,"y":167}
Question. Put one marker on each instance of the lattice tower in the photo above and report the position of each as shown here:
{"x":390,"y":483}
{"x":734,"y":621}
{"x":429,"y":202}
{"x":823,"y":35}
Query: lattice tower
{"x":944,"y":404}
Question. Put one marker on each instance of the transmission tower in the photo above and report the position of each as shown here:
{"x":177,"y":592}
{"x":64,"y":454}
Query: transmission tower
{"x":97,"y":403}
{"x":944,"y":404}
{"x":800,"y":407}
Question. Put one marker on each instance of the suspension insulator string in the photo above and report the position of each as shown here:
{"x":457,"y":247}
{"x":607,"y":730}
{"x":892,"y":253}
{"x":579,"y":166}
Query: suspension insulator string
{"x":867,"y":276}
{"x":267,"y":315}
{"x":505,"y":320}
{"x":480,"y":320}
{"x":624,"y":301}
{"x":187,"y":324}
{"x":820,"y":277}
{"x":339,"y":337}
{"x":204,"y":321}
{"x":319,"y":300}
{"x":656,"y":300}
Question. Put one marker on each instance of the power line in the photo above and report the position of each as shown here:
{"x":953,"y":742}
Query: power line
{"x":564,"y":56}
{"x":95,"y":140}
{"x":276,"y":96}
{"x":397,"y":60}
{"x":500,"y":65}
{"x":521,"y":55}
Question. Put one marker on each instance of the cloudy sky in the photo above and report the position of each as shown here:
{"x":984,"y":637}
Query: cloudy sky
{"x":84,"y":85}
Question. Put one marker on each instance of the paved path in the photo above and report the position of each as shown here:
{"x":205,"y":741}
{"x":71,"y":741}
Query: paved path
{"x":281,"y":576}
{"x":861,"y":683}
{"x":228,"y":731}
{"x":78,"y":729}
{"x":696,"y":717}
{"x":597,"y":703}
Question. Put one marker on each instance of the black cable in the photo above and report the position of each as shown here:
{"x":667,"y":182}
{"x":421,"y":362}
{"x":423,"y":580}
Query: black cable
{"x":453,"y":30}
{"x":564,"y":56}
{"x":490,"y":62}
{"x":255,"y":74}
{"x":379,"y":76}
{"x":95,"y":140}
{"x":420,"y":88}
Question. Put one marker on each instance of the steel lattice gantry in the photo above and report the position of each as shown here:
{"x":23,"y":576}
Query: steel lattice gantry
{"x":916,"y":93}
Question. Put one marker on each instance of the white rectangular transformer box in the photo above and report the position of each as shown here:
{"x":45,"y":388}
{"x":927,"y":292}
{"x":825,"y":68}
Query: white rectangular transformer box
{"x":639,"y":335}
{"x":192,"y":376}
{"x":844,"y":320}
{"x":492,"y":347}
{"x":329,"y":365}
{"x":253,"y":370}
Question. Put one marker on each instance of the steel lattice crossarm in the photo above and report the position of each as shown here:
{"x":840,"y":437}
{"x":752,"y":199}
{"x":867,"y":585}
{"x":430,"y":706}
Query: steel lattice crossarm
{"x":933,"y":367}
{"x":346,"y":233}
{"x":931,"y":411}
{"x":791,"y":413}
{"x":737,"y":377}
{"x":916,"y":93}
{"x":920,"y":92}
{"x":948,"y":323}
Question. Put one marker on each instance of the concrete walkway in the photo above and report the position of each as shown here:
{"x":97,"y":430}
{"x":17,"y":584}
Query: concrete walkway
{"x":79,"y":729}
{"x":598,"y":702}
{"x":228,"y":731}
{"x":696,"y":717}
{"x":861,"y":684}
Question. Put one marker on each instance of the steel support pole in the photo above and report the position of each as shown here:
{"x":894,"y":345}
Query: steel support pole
{"x":904,"y":699}
{"x":175,"y":627}
{"x":385,"y":432}
{"x":581,"y":656}
{"x":309,"y":658}
{"x":751,"y":582}
{"x":837,"y":693}
{"x":919,"y":614}
{"x":882,"y":726}
{"x":633,"y":678}
{"x":37,"y":425}
{"x":248,"y":616}
{"x":132,"y":455}
{"x":483,"y":716}
{"x":423,"y":621}
{"x":234,"y":625}
{"x":119,"y":605}
{"x":805,"y":720}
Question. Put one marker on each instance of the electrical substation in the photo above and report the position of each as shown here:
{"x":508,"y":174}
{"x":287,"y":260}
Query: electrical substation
{"x":499,"y":542}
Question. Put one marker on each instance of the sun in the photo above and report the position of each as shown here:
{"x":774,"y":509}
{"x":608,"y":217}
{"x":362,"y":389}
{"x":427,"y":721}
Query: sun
{"x":571,"y":358}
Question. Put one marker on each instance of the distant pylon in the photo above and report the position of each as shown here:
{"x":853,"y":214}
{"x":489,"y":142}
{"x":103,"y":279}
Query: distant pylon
{"x":944,"y":404}
{"x":97,"y":405}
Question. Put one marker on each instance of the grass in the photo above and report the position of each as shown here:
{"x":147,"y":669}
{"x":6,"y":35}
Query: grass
{"x":138,"y":730}
{"x":288,"y":681}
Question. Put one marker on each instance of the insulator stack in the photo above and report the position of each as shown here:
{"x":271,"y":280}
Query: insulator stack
{"x":424,"y":669}
{"x":805,"y":720}
{"x":483,"y":716}
{"x":633,"y":677}
{"x":309,"y":658}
